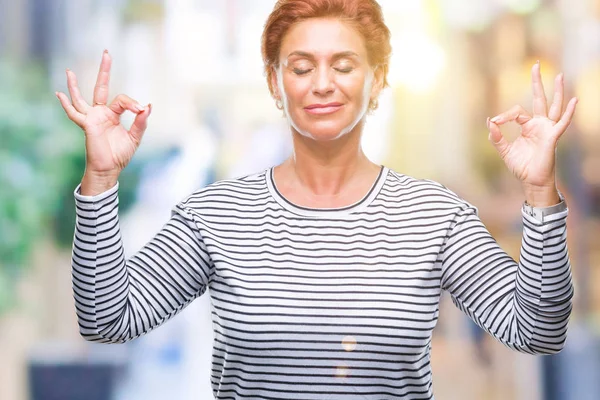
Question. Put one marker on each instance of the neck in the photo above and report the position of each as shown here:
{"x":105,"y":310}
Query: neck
{"x":325,"y":169}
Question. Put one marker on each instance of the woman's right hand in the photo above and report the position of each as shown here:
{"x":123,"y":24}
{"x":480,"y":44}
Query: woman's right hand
{"x":108,"y":145}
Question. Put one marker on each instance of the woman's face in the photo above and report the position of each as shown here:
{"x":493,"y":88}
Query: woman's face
{"x":324,"y":80}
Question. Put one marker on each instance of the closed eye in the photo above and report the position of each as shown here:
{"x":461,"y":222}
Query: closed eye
{"x":301,"y":71}
{"x":306,"y":71}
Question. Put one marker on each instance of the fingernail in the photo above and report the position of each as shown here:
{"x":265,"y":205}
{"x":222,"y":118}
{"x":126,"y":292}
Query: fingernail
{"x":495,"y":119}
{"x":139,"y":107}
{"x":105,"y":51}
{"x":537,"y":62}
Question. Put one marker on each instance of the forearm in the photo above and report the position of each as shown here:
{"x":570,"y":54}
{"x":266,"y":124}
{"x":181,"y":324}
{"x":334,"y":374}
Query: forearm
{"x":100,"y":281}
{"x":544,"y":288}
{"x":528,"y":306}
{"x":525,"y":305}
{"x":117,"y":299}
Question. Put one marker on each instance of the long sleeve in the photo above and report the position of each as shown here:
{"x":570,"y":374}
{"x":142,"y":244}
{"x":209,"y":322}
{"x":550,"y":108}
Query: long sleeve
{"x":118,"y":300}
{"x":525,"y":305}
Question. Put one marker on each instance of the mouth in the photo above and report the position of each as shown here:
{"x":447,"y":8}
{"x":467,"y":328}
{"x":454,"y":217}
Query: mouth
{"x":323,"y":109}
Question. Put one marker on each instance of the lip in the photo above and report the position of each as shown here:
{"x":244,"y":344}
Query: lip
{"x":322,"y":109}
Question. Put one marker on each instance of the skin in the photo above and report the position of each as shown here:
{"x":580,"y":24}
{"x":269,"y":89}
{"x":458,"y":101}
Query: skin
{"x":328,"y":167}
{"x":531,"y":157}
{"x":322,"y":61}
{"x":109,"y":146}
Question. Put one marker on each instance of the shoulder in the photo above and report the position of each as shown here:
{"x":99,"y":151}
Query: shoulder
{"x":411,"y":189}
{"x":240,"y":189}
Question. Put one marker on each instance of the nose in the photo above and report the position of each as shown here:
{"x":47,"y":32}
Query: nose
{"x":323,"y":82}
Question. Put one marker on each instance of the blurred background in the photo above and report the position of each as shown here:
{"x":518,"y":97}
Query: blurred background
{"x":455,"y":62}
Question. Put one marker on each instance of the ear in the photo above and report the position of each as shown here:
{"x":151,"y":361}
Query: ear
{"x":275,"y":83}
{"x":377,"y":87}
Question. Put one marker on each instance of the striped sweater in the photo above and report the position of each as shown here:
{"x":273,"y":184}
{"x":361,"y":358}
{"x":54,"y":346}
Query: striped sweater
{"x":321,"y":303}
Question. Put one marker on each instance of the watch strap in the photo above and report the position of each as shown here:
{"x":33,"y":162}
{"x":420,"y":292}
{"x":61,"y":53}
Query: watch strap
{"x":540,"y":213}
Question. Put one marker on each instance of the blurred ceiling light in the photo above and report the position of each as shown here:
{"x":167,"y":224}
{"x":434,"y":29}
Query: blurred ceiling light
{"x":416,"y":62}
{"x":522,"y":6}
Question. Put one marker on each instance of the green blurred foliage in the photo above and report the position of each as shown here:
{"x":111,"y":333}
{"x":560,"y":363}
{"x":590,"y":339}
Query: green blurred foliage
{"x":42,"y":160}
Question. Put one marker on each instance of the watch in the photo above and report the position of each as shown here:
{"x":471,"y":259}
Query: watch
{"x":540,"y":213}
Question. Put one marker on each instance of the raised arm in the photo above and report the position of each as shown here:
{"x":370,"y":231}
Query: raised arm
{"x":118,"y":300}
{"x":526,"y":305}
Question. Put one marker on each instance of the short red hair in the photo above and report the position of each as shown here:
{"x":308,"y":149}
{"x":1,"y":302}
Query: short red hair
{"x":363,"y":15}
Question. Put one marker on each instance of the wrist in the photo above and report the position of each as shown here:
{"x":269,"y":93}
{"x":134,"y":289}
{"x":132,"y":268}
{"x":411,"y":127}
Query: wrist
{"x":94,"y":183}
{"x":541,"y":196}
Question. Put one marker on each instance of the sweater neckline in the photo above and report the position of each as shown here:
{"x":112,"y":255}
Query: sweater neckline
{"x":326,"y":212}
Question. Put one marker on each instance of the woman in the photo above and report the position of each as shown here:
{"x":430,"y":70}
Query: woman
{"x":325,"y":272}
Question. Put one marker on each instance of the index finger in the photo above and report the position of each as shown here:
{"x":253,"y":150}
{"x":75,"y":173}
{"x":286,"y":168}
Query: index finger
{"x":539,"y":97}
{"x":101,"y":88}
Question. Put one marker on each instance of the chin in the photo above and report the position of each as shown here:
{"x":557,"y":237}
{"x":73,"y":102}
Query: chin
{"x":321,"y":132}
{"x":325,"y":130}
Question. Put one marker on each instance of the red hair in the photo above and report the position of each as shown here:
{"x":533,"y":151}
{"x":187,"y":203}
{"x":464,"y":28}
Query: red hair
{"x":363,"y":15}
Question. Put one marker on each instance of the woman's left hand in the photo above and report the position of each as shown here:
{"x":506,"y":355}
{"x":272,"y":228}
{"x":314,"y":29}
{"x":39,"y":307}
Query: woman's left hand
{"x":532,"y":156}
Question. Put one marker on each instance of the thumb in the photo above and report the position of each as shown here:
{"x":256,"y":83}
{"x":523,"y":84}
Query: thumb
{"x":497,"y":139}
{"x":140,"y":123}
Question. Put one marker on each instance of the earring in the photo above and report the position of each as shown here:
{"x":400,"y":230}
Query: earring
{"x":373,"y":104}
{"x":279,"y":104}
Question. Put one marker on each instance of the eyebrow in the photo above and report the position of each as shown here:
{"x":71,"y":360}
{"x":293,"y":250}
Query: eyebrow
{"x":311,"y":56}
